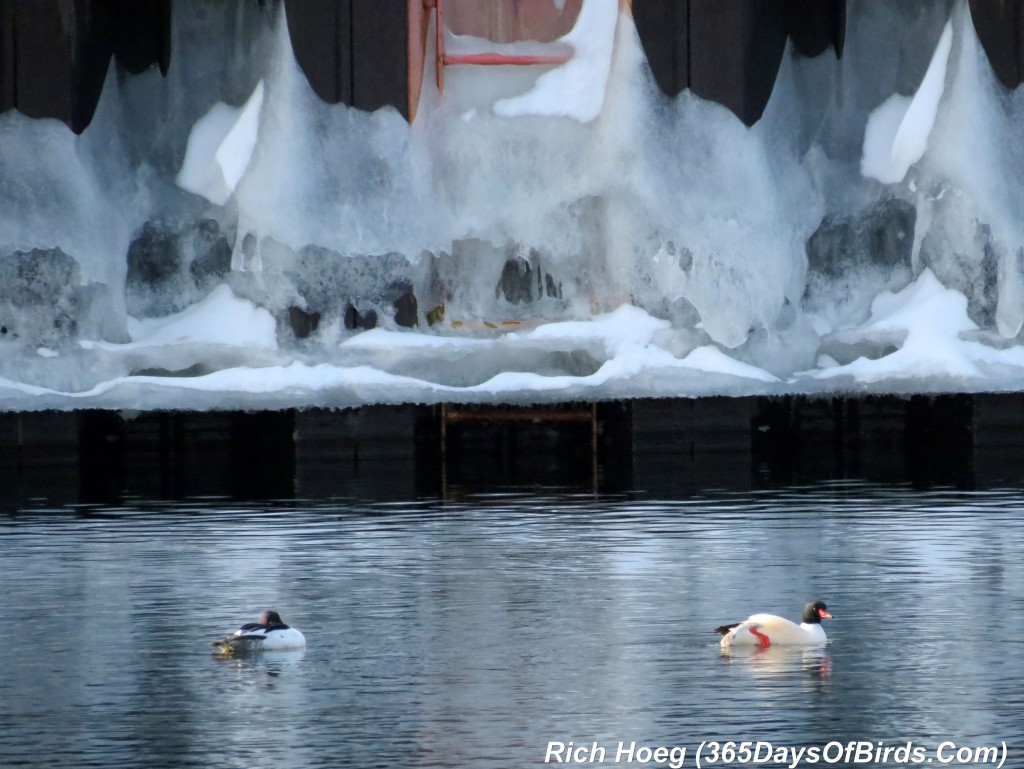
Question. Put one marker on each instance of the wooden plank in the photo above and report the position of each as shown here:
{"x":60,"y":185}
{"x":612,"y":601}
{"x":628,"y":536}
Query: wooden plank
{"x":58,"y":53}
{"x":417,"y":24}
{"x":8,"y":98}
{"x":380,"y":51}
{"x":736,"y":48}
{"x":321,"y":35}
{"x":42,"y":53}
{"x":999,"y":27}
{"x":729,"y":50}
{"x":816,"y":25}
{"x":138,"y":33}
{"x":663,"y":26}
{"x":507,"y":21}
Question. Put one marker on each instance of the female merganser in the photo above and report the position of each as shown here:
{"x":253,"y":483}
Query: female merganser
{"x":766,"y":630}
{"x":269,"y":634}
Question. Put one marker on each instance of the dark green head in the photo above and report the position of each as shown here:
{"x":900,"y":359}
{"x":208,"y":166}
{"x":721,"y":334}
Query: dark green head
{"x":816,"y":612}
{"x":270,"y":618}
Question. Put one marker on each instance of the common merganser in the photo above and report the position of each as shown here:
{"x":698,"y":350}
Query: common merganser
{"x":269,"y":634}
{"x":766,"y":630}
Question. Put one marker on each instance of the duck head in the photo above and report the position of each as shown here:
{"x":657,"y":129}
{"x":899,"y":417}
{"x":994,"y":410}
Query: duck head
{"x":273,"y":618}
{"x":815,"y":612}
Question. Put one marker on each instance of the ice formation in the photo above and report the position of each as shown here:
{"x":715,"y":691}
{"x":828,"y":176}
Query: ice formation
{"x":897,"y":132}
{"x":220,"y":147}
{"x":567,"y":233}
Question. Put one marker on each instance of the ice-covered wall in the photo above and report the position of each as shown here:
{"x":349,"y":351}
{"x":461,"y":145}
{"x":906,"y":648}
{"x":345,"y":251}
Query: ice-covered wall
{"x":219,"y":235}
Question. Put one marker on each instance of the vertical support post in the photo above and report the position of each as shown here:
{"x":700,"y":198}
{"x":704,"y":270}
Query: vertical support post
{"x":439,"y":43}
{"x":593,"y":445}
{"x":417,"y":45}
{"x":444,"y":451}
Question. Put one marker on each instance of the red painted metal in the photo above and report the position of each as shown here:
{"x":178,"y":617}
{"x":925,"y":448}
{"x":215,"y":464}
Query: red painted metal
{"x":445,"y":59}
{"x":501,"y":58}
{"x":418,"y":23}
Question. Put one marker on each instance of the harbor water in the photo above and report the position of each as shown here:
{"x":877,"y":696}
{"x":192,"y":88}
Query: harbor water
{"x":516,"y":627}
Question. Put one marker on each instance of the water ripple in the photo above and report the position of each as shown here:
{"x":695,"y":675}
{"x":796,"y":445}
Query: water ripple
{"x":472,"y":632}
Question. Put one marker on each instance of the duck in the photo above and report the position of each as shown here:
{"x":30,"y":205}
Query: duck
{"x":269,"y":634}
{"x":766,"y":630}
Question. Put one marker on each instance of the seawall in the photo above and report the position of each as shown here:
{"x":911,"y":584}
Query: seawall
{"x":645,"y":447}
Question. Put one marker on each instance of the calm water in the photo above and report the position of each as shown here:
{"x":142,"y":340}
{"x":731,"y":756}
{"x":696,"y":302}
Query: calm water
{"x":473,"y":633}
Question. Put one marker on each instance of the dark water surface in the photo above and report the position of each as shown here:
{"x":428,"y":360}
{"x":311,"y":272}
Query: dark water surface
{"x":474,"y":633}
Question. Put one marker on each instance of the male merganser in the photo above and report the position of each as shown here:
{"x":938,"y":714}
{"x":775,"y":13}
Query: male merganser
{"x":269,"y":634}
{"x":766,"y":630}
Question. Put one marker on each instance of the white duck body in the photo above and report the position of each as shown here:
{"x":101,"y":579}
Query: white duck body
{"x":269,"y":634}
{"x":766,"y":630}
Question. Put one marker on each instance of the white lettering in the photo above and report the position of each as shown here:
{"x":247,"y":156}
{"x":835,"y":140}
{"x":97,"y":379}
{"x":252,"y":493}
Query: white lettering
{"x":554,"y":753}
{"x":940,"y":754}
{"x":622,"y":754}
{"x":763,"y":752}
{"x":902,"y":755}
{"x":988,"y":755}
{"x":853,"y":752}
{"x":569,"y":752}
{"x":863,"y":751}
{"x":832,"y":753}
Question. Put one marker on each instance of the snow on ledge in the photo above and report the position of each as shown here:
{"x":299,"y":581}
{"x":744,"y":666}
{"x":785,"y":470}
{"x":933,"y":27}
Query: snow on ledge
{"x":576,"y":89}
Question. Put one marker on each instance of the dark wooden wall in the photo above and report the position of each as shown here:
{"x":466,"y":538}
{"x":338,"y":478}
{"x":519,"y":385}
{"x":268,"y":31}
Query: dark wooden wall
{"x":1000,"y":27}
{"x":353,"y":51}
{"x":54,"y":54}
{"x":729,"y":51}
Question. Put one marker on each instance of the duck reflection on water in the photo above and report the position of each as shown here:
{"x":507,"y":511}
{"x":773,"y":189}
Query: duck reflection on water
{"x":777,"y":663}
